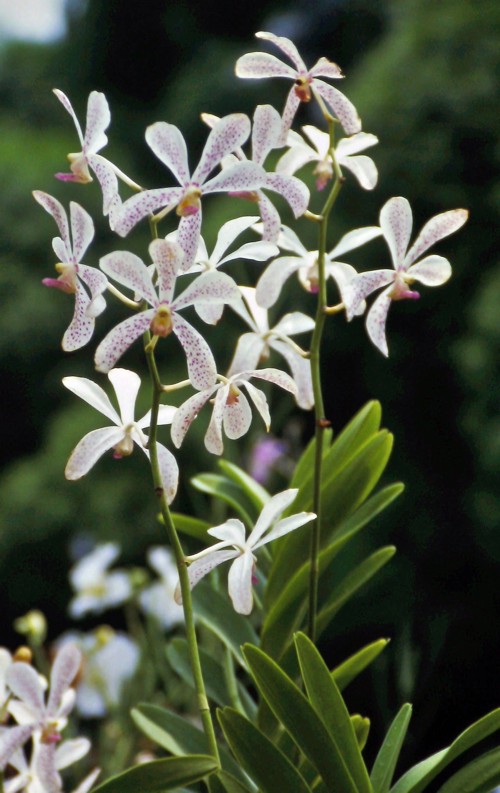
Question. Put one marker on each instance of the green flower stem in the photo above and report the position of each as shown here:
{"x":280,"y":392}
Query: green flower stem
{"x":176,"y":546}
{"x":321,"y":422}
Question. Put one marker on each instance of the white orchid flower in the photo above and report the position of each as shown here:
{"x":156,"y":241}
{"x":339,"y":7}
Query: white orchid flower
{"x":125,"y":432}
{"x":96,"y":588}
{"x":255,"y":346}
{"x":396,"y":224}
{"x":231,"y":411}
{"x":232,"y":535}
{"x":305,"y":264}
{"x":157,"y":599}
{"x":256,"y":65}
{"x":33,"y":777}
{"x":347,"y":155}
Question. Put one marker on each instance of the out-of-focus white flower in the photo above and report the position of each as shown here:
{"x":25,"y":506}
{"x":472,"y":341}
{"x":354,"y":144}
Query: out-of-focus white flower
{"x":158,"y":599}
{"x":30,"y":778}
{"x":96,"y":588}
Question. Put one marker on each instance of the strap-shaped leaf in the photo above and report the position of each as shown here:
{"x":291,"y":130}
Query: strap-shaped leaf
{"x":225,"y":783}
{"x":175,"y":734}
{"x":387,"y":757}
{"x":352,"y":582}
{"x":417,"y":778}
{"x":299,"y":719}
{"x":302,"y":472}
{"x":213,"y":674}
{"x":345,"y":672}
{"x":216,"y":613}
{"x":254,"y":491}
{"x":160,"y":775}
{"x":265,"y":764}
{"x":326,"y":699}
{"x":479,"y":776}
{"x":193,"y":527}
{"x":227,"y":491}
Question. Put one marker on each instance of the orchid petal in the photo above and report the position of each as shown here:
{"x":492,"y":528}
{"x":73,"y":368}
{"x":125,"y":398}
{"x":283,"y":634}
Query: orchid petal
{"x":91,"y":568}
{"x":292,"y":189}
{"x":376,"y":319}
{"x":69,"y":108}
{"x":301,"y":372}
{"x":127,"y":269}
{"x":169,"y":470}
{"x":240,"y":177}
{"x":45,"y":769}
{"x":343,"y":274}
{"x":202,"y":370}
{"x":275,"y":376}
{"x":271,"y":221}
{"x":167,"y":142}
{"x":396,"y":223}
{"x":188,"y":235}
{"x":289,"y":241}
{"x":255,"y":65}
{"x":346,"y":147}
{"x":25,"y":684}
{"x":227,"y":235}
{"x":298,"y":155}
{"x":210,"y":312}
{"x":211,"y":287}
{"x":232,"y":531}
{"x":363,"y":285}
{"x":11,"y":739}
{"x":166,"y":415}
{"x":293,"y":323}
{"x":97,"y":284}
{"x":111,"y":202}
{"x":286,"y":46}
{"x":343,"y":109}
{"x":272,"y":510}
{"x":325,"y":68}
{"x":247,"y":354}
{"x":259,"y":251}
{"x":285,"y":526}
{"x":289,"y":111}
{"x":94,"y":395}
{"x":226,"y":135}
{"x":81,"y":327}
{"x":265,"y":132}
{"x":98,"y":119}
{"x":168,"y":259}
{"x":56,"y":209}
{"x":436,"y":229}
{"x":237,"y":417}
{"x":259,"y":399}
{"x":66,"y":665}
{"x":88,"y":451}
{"x":186,"y":414}
{"x":126,"y":385}
{"x":71,"y":751}
{"x":240,"y":583}
{"x":272,"y":279}
{"x":201,"y":567}
{"x":213,"y":436}
{"x":119,"y":339}
{"x":139,"y":206}
{"x":364,"y":169}
{"x":431,"y":271}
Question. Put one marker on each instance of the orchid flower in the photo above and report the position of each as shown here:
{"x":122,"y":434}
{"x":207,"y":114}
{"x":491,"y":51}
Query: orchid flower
{"x":255,"y":346}
{"x":396,"y":223}
{"x":75,"y":278}
{"x":157,"y":599}
{"x":163,"y":318}
{"x":232,"y":535}
{"x":256,"y":65}
{"x":231,"y":409}
{"x":266,"y":131}
{"x":97,"y":589}
{"x":125,"y":433}
{"x":45,"y":720}
{"x":169,"y":146}
{"x":98,"y":119}
{"x":259,"y":251}
{"x":305,"y":264}
{"x":346,"y":153}
{"x":33,"y":777}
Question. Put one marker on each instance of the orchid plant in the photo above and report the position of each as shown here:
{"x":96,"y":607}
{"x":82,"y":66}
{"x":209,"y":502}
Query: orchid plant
{"x":284,"y":725}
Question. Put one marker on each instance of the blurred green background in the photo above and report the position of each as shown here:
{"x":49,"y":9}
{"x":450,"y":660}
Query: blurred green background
{"x":424,"y":77}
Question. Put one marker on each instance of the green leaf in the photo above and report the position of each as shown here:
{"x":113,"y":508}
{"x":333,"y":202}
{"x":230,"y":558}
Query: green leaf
{"x":175,"y":734}
{"x":479,"y":776}
{"x":177,"y":652}
{"x":227,"y":491}
{"x":264,"y":763}
{"x":216,"y":613}
{"x":327,"y":701}
{"x":345,"y":672}
{"x":351,"y":583}
{"x":418,"y":777}
{"x":361,"y":727}
{"x":305,"y":463}
{"x":193,"y":527}
{"x":160,"y":775}
{"x":387,"y":757}
{"x":257,"y":494}
{"x":225,"y":783}
{"x":300,"y":720}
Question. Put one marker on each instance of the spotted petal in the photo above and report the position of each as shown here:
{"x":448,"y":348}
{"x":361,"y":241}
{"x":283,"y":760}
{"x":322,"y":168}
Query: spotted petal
{"x":25,"y":684}
{"x":241,"y":177}
{"x":213,"y":435}
{"x":227,"y":134}
{"x":56,"y":209}
{"x":120,"y":338}
{"x":81,"y":327}
{"x":265,"y":132}
{"x":255,"y":65}
{"x":88,"y":451}
{"x":237,"y":417}
{"x":98,"y":119}
{"x":186,"y":414}
{"x":66,"y":665}
{"x":69,"y":108}
{"x":168,"y":144}
{"x":436,"y":229}
{"x":342,"y":107}
{"x":293,"y":191}
{"x":169,"y":470}
{"x":127,"y":269}
{"x":201,"y":567}
{"x":202,"y":370}
{"x":146,"y":203}
{"x":396,"y":222}
{"x":431,"y":271}
{"x":286,"y":46}
{"x":301,"y":372}
{"x":376,"y":319}
{"x":325,"y":68}
{"x":362,"y":286}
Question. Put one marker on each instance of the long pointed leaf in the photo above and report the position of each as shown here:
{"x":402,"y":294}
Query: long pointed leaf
{"x":227,"y":491}
{"x":479,"y":776}
{"x":225,"y":783}
{"x":160,"y":775}
{"x":254,"y":491}
{"x":345,"y":672}
{"x":216,"y":613}
{"x":387,"y":757}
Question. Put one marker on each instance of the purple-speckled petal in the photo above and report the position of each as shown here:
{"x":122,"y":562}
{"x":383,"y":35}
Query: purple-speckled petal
{"x":237,"y":417}
{"x":211,"y":287}
{"x":286,"y":46}
{"x":188,"y":236}
{"x":91,"y":447}
{"x":25,"y":684}
{"x":342,"y":107}
{"x":81,"y":327}
{"x":289,"y":111}
{"x":376,"y":320}
{"x":265,"y":132}
{"x":396,"y":223}
{"x":66,"y":665}
{"x":325,"y":68}
{"x":130,"y":271}
{"x":98,"y":119}
{"x":202,"y":370}
{"x":169,"y":470}
{"x":11,"y":739}
{"x":260,"y":401}
{"x":120,"y":338}
{"x":271,"y":221}
{"x":210,"y":312}
{"x":96,"y":282}
{"x":431,"y":271}
{"x":255,"y":65}
{"x":82,"y":230}
{"x":201,"y":567}
{"x":187,"y":413}
{"x":213,"y":435}
{"x":239,"y":582}
{"x":56,"y":209}
{"x":139,"y":206}
{"x":275,"y":376}
{"x":301,"y":372}
{"x":168,"y":259}
{"x":436,"y":229}
{"x":168,"y":144}
{"x":45,"y":771}
{"x":111,"y":202}
{"x":240,"y":177}
{"x":363,"y":285}
{"x":69,"y":108}
{"x":292,"y":189}
{"x":227,"y":134}
{"x":274,"y":276}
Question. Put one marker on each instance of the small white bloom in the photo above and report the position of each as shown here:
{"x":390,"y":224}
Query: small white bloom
{"x":232,"y":535}
{"x":158,"y":599}
{"x":96,"y":588}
